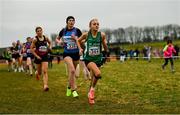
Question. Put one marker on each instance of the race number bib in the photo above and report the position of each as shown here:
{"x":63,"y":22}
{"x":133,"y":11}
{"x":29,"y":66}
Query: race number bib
{"x":94,"y":51}
{"x":71,"y":45}
{"x":24,"y":55}
{"x":28,"y":50}
{"x":43,"y":48}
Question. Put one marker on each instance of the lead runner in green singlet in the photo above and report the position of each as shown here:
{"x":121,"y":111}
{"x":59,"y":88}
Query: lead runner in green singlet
{"x":93,"y":54}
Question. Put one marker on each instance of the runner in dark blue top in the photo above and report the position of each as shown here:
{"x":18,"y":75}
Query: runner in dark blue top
{"x":67,"y":37}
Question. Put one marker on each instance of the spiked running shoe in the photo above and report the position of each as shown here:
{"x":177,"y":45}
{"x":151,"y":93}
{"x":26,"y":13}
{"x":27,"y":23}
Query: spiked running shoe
{"x":91,"y":96}
{"x":68,"y":92}
{"x":75,"y":94}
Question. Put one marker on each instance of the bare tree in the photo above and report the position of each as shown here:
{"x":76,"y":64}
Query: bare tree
{"x":137,"y":34}
{"x":108,"y":33}
{"x":117,"y":35}
{"x":130,"y":34}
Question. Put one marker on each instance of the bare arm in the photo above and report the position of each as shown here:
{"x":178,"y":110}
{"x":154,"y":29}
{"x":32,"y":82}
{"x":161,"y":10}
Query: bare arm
{"x":33,"y":50}
{"x":24,"y":49}
{"x":82,"y":38}
{"x":58,"y":39}
{"x":104,"y":42}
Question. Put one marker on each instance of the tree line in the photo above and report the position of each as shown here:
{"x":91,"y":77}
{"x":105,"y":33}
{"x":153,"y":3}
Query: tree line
{"x":134,"y":35}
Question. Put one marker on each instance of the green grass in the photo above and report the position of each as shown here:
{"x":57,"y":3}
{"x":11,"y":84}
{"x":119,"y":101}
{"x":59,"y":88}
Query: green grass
{"x":130,"y":87}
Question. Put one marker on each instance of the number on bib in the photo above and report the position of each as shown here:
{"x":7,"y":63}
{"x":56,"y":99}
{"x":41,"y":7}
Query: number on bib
{"x":28,"y":50}
{"x":71,"y":45}
{"x":94,"y":51}
{"x":43,"y":48}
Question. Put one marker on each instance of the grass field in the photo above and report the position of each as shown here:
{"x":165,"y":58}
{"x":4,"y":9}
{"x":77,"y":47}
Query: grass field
{"x":130,"y":87}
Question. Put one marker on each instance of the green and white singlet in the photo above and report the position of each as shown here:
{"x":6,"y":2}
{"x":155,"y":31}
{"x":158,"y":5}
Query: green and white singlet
{"x":93,"y":48}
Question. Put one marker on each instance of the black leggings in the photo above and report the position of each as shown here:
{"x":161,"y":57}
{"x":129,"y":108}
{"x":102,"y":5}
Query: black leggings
{"x":166,"y":61}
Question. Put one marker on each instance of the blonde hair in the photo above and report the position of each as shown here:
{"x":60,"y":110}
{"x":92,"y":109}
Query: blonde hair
{"x":94,"y":19}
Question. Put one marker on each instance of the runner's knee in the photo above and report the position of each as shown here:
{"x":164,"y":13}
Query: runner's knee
{"x":72,"y":71}
{"x":97,"y":74}
{"x":44,"y":71}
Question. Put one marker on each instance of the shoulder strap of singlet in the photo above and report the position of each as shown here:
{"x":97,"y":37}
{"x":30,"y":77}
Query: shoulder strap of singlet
{"x":37,"y":38}
{"x":45,"y":39}
{"x":65,"y":30}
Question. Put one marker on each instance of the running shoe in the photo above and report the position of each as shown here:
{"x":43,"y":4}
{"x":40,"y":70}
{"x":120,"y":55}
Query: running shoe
{"x":75,"y":94}
{"x":91,"y":96}
{"x":68,"y":92}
